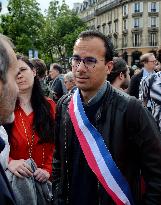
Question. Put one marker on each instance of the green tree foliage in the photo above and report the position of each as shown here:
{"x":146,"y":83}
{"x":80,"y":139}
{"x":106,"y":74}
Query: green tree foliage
{"x":61,"y":30}
{"x":23,"y":24}
{"x":53,"y":34}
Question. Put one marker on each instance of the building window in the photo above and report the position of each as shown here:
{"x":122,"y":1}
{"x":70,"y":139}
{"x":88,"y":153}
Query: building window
{"x":125,"y":10}
{"x":116,"y":26}
{"x":104,"y":28}
{"x":125,"y":24}
{"x":115,"y":42}
{"x":98,"y":27}
{"x":136,"y":39}
{"x":110,"y":28}
{"x":153,"y":7}
{"x":137,"y":7}
{"x":136,"y":23}
{"x":153,"y":22}
{"x":153,"y":39}
{"x":124,"y":41}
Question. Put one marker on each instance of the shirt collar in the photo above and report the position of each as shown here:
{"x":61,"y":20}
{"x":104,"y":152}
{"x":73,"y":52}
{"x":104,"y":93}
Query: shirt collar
{"x":98,"y":95}
{"x":146,"y":73}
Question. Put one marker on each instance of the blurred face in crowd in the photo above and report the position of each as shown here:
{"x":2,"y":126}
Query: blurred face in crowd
{"x":126,"y":79}
{"x":53,"y":73}
{"x":89,"y":66}
{"x":69,"y":84}
{"x":9,"y":90}
{"x":25,"y":78}
{"x":150,"y":65}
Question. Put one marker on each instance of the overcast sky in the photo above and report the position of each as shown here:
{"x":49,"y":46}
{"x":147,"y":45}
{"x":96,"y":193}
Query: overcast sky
{"x":43,"y":4}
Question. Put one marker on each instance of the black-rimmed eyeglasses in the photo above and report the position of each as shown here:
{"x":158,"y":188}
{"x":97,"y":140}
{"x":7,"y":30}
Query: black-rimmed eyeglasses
{"x":154,"y":61}
{"x":89,"y":62}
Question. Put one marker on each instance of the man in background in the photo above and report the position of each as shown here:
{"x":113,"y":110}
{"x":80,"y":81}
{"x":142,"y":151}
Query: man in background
{"x":56,"y":86}
{"x":119,"y":76}
{"x":149,"y":64}
{"x":69,"y":82}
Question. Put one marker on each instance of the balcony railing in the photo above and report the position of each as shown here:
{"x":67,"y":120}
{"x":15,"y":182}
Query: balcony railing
{"x":106,"y":7}
{"x":88,"y":18}
{"x":153,"y":44}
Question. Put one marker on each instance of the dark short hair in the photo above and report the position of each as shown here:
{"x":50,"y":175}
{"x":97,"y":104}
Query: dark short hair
{"x":26,"y":60}
{"x":109,"y":53}
{"x":5,"y":61}
{"x":57,"y":67}
{"x":40,"y":67}
{"x":145,"y":57}
{"x":119,"y":65}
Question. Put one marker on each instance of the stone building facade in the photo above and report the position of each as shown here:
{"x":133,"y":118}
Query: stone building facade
{"x":134,"y":26}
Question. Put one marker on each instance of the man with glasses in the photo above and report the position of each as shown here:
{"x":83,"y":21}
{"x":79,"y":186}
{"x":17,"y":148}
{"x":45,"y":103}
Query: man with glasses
{"x":149,"y":62}
{"x":103,"y":136}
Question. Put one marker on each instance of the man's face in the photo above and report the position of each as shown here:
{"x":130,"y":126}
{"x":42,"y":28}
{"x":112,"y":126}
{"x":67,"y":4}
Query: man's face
{"x":9,"y":91}
{"x":90,"y":78}
{"x":126,"y":80}
{"x":53,"y":73}
{"x":69,"y":84}
{"x":151,"y":64}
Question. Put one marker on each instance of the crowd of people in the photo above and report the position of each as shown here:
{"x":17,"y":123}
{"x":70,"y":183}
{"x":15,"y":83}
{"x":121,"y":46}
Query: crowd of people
{"x":81,"y":137}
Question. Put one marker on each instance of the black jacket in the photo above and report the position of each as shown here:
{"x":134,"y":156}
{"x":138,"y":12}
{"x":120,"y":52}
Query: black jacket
{"x":134,"y":84}
{"x":135,"y":145}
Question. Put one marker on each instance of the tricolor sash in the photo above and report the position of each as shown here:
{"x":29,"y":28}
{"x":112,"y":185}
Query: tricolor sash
{"x":97,"y":155}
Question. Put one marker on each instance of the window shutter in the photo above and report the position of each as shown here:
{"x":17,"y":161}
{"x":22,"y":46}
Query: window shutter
{"x":141,"y":6}
{"x":149,"y":22}
{"x":149,"y":6}
{"x":141,"y":23}
{"x":127,"y":9}
{"x":133,"y":23}
{"x":157,"y":6}
{"x":133,"y":7}
{"x":157,"y":22}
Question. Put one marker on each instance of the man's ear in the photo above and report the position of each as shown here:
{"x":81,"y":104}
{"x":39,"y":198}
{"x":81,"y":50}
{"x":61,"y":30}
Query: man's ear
{"x":109,"y":67}
{"x":121,"y":76}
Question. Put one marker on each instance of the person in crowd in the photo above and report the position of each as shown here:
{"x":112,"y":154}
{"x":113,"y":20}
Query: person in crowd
{"x":103,"y":137}
{"x":41,"y":71}
{"x":56,"y":87}
{"x":131,"y":71}
{"x":32,"y":132}
{"x":69,"y":82}
{"x":8,"y":96}
{"x":151,"y":91}
{"x":119,"y":76}
{"x":149,"y":63}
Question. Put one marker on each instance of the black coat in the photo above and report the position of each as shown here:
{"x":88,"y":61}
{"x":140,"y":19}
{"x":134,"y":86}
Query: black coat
{"x":134,"y":84}
{"x":132,"y":138}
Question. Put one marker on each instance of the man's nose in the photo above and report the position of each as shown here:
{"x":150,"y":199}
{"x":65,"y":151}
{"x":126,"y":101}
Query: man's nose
{"x":81,"y":66}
